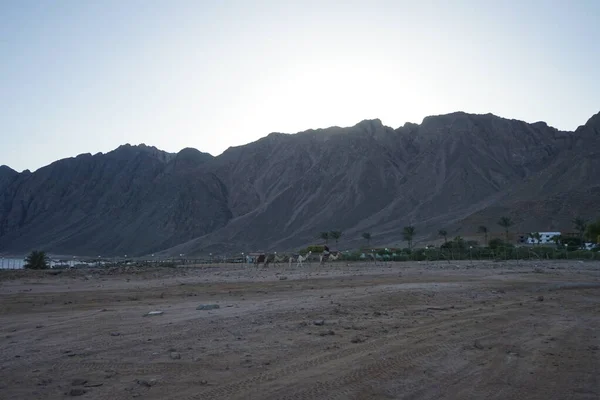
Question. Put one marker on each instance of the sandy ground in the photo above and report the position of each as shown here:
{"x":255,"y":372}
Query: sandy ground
{"x":487,"y":330}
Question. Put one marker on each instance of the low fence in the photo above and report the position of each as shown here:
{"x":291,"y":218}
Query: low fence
{"x":517,"y":253}
{"x":474,"y":254}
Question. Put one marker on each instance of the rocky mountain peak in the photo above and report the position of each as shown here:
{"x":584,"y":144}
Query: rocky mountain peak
{"x":6,"y":170}
{"x":277,"y":192}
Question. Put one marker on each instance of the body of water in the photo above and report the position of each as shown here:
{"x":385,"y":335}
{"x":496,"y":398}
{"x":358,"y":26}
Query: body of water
{"x":11,"y":263}
{"x":17,"y":263}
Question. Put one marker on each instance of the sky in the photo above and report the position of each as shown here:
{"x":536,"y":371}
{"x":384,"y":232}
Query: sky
{"x":87,"y":76}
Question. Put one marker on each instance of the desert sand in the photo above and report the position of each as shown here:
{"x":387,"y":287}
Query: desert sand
{"x":460,"y":330}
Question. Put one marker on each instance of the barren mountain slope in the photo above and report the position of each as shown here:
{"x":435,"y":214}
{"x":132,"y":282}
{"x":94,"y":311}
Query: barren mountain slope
{"x":133,"y":200}
{"x":454,"y":171}
{"x":568,"y":187}
{"x":372,"y":178}
{"x":7,"y":175}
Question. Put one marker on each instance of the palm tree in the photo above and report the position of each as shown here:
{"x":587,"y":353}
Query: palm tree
{"x":36,"y":260}
{"x":593,"y":232}
{"x":335,"y":235}
{"x":324,"y":236}
{"x":483,"y":229}
{"x":408,"y":233}
{"x":458,"y":242}
{"x":367,"y":237}
{"x":580,"y":226}
{"x":506,"y":223}
{"x":556,"y":239}
{"x":444,"y":233}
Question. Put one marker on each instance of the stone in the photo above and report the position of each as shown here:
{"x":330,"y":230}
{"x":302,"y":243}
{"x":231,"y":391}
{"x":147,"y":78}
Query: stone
{"x":77,"y":392}
{"x":327,"y":333}
{"x":175,"y":355}
{"x":208,"y":307}
{"x":146,"y":383}
{"x":319,"y":322}
{"x":152,"y":313}
{"x":78,"y":382}
{"x":90,"y":385}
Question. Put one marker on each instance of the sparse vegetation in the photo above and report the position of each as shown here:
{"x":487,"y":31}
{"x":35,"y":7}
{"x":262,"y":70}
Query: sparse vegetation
{"x":313,"y":249}
{"x":462,"y":250}
{"x":409,"y":233}
{"x":335,"y":235}
{"x":506,"y":223}
{"x":580,"y":226}
{"x":36,"y":260}
{"x":324,"y":236}
{"x":593,"y":232}
{"x":496,"y":244}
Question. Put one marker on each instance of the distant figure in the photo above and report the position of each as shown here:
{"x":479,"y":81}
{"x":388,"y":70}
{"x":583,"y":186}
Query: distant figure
{"x":325,"y":255}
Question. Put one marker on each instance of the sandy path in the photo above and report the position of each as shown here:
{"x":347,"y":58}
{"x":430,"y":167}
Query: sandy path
{"x":399,"y":331}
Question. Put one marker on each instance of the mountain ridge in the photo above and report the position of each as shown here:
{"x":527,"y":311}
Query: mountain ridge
{"x":277,"y":192}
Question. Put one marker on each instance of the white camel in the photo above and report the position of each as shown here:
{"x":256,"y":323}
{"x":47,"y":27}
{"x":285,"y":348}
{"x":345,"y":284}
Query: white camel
{"x":301,"y":259}
{"x":330,"y":257}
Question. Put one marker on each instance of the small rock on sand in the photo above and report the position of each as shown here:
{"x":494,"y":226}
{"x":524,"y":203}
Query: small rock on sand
{"x":327,"y":333}
{"x":146,"y":383}
{"x":152,"y":313}
{"x":208,"y":307}
{"x":78,"y":382}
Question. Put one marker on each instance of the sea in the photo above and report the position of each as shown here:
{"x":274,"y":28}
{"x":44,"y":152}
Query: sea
{"x":11,"y":263}
{"x":17,"y":263}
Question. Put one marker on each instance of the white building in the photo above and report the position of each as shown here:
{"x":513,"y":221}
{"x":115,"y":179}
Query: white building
{"x":545,"y":238}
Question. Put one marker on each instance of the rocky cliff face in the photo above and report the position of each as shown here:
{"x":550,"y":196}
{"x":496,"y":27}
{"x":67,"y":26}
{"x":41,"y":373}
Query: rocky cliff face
{"x":455,"y":171}
{"x":130,"y":201}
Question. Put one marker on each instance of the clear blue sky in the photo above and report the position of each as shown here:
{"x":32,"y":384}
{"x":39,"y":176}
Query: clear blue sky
{"x":86,"y":76}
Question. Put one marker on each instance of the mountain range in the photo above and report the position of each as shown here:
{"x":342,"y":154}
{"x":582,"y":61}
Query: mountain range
{"x":454,"y":171}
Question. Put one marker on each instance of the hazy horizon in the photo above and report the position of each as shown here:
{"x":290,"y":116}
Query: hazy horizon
{"x":83,"y":77}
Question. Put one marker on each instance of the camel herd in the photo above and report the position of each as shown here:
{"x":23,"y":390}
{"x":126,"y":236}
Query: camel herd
{"x":299,"y":259}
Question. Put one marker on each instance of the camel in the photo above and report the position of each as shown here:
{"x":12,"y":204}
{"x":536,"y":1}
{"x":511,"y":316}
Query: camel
{"x":278,"y":259}
{"x":265,"y":259}
{"x":329,"y":257}
{"x":373,"y":257}
{"x":301,"y":259}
